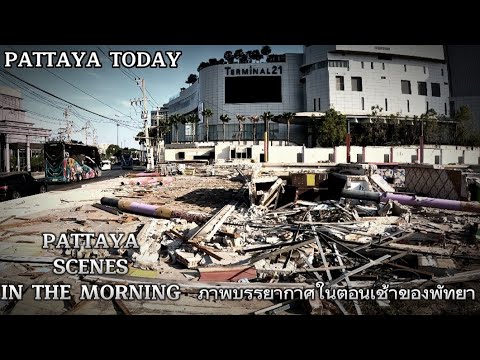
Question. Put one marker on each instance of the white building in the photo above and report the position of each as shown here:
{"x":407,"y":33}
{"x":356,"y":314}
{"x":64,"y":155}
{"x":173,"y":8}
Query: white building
{"x":248,"y":89}
{"x":403,"y":79}
{"x":20,"y":140}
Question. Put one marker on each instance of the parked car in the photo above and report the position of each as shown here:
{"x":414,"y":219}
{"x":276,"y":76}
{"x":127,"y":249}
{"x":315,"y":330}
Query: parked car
{"x":106,"y":165}
{"x":17,"y":184}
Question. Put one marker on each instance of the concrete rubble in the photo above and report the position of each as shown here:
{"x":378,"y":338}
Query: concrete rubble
{"x":204,"y":225}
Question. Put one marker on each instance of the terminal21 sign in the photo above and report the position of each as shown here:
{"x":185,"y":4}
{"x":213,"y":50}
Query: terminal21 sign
{"x":253,"y":70}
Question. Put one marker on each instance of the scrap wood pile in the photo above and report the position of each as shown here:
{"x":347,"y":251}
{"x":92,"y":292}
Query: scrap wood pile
{"x":343,"y":244}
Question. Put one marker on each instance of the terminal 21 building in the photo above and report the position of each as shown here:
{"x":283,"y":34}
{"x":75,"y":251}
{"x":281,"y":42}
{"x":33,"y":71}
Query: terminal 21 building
{"x":226,"y":110}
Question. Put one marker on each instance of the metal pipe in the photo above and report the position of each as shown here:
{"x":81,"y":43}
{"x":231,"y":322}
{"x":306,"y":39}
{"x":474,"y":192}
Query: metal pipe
{"x":157,"y":211}
{"x":413,"y":200}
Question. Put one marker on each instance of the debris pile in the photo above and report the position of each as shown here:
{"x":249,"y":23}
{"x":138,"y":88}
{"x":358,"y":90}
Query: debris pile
{"x":345,"y":235}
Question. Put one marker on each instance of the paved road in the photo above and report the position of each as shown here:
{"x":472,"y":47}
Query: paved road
{"x":106,"y":174}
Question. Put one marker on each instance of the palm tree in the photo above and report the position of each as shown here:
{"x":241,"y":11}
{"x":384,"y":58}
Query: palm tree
{"x":193,"y":119}
{"x":254,"y":119}
{"x":207,"y":113}
{"x":289,"y":117}
{"x":240,"y":119}
{"x":184,"y":121}
{"x":174,"y":121}
{"x":224,"y":119}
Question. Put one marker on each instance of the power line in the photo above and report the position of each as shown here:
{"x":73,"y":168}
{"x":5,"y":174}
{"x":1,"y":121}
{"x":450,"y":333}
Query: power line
{"x":58,"y":97}
{"x":86,"y":93}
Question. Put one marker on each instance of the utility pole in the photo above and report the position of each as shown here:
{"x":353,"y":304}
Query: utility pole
{"x":148,"y":146}
{"x":86,"y":127}
{"x":117,"y":133}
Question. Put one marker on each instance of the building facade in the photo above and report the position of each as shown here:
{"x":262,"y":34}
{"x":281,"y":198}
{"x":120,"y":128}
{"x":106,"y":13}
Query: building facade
{"x":465,"y":79}
{"x":406,"y":80}
{"x":248,"y":89}
{"x":20,"y":140}
{"x":403,"y":80}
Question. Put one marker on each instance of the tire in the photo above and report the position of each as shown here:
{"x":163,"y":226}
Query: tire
{"x":16,"y":194}
{"x":42,"y":189}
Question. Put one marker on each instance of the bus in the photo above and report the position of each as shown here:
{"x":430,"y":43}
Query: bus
{"x":127,"y":159}
{"x":70,"y":161}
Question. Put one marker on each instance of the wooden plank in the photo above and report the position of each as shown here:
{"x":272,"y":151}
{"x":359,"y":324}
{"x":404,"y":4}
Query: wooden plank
{"x":281,"y":251}
{"x":207,"y":251}
{"x":28,"y":259}
{"x":273,"y":307}
{"x":121,"y":306}
{"x":265,"y":197}
{"x":6,"y":219}
{"x":227,"y":273}
{"x":208,"y":230}
{"x":422,"y":249}
{"x":359,"y":269}
{"x":381,"y":183}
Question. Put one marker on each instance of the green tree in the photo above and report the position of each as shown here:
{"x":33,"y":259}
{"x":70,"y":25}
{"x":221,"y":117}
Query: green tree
{"x":174,"y":121}
{"x":140,"y":137}
{"x":194,"y":120}
{"x":238,"y":55}
{"x":192,"y":78}
{"x":228,"y":56}
{"x":332,"y":129}
{"x":207,"y":113}
{"x":266,"y":50}
{"x":430,"y":126}
{"x":463,"y":118}
{"x":377,"y":129}
{"x":224,"y":118}
{"x":113,"y":149}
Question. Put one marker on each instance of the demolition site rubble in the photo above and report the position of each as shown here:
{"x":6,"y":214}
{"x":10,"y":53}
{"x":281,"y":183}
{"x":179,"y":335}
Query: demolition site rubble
{"x":239,"y":238}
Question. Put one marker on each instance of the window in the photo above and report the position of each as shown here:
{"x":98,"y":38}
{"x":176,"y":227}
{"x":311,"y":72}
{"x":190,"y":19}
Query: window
{"x":442,"y":71}
{"x":384,"y":77}
{"x":436,"y":89}
{"x":363,"y":65}
{"x":437,"y":159}
{"x":314,"y":104}
{"x":446,"y":112}
{"x":384,"y":57}
{"x":452,"y":108}
{"x":424,"y":69}
{"x":460,"y":160}
{"x":330,"y":158}
{"x":383,"y":66}
{"x":406,"y":87}
{"x":386,"y":105}
{"x":338,"y":63}
{"x":363,"y":103}
{"x":340,"y":83}
{"x":359,"y":158}
{"x":386,"y":158}
{"x":356,"y":84}
{"x":319,"y":106}
{"x":405,"y":68}
{"x":422,"y":88}
{"x":428,"y":106}
{"x":408,"y":105}
{"x":414,"y":158}
{"x":371,"y":65}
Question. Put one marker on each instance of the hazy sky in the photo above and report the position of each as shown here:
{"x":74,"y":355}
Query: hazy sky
{"x":109,"y":85}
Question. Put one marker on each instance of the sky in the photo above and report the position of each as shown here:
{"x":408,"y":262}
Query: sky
{"x":111,"y":87}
